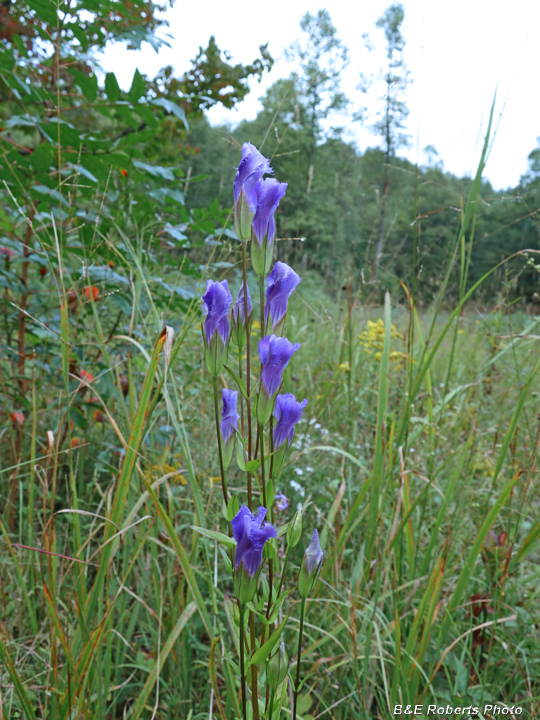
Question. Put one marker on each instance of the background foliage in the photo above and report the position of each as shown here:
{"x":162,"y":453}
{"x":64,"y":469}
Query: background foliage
{"x":419,"y":469}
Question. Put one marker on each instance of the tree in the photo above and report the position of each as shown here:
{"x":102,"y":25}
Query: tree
{"x":323,"y":58}
{"x":393,"y":113}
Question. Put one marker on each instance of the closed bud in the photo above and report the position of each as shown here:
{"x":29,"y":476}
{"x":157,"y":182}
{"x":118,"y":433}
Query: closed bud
{"x":216,"y":330}
{"x":243,"y":217}
{"x":215,"y":355}
{"x":311,"y":566}
{"x":239,"y":333}
{"x":294,"y":529}
{"x":265,"y":406}
{"x":244,"y":584}
{"x":276,"y":670}
{"x":261,"y":257}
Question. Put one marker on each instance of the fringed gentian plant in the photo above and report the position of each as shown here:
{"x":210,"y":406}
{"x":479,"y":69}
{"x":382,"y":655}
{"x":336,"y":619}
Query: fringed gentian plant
{"x":256,"y":199}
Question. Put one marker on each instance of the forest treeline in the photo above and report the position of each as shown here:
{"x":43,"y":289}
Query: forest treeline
{"x":99,"y":158}
{"x":331,"y":211}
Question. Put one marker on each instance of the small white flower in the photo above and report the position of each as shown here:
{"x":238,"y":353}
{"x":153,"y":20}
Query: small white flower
{"x":309,"y":469}
{"x":318,"y":426}
{"x":298,"y":471}
{"x":296,"y":486}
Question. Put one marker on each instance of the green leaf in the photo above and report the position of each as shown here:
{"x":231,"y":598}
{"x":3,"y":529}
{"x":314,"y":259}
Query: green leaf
{"x":133,"y":138}
{"x":138,"y":87}
{"x":238,"y":380}
{"x":78,"y":33}
{"x":232,"y":507}
{"x":45,"y":10}
{"x":88,"y":84}
{"x":173,"y":108}
{"x":112,"y":88}
{"x":155,"y":170}
{"x":145,"y":112}
{"x":20,"y":45}
{"x":214,"y":535}
{"x":42,"y":157}
{"x":253,"y":465}
{"x":125,"y":113}
{"x":264,"y":651}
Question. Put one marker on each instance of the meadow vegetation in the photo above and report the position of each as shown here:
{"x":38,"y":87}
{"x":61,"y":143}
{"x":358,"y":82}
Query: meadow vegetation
{"x":416,"y":456}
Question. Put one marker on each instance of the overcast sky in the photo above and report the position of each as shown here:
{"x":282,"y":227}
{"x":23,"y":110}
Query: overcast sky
{"x":458,"y":54}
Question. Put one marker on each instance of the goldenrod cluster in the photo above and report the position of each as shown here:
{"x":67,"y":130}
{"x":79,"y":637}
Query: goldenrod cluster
{"x":372,"y":341}
{"x":164,"y":468}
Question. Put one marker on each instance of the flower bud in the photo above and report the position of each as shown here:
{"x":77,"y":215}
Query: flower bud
{"x":228,"y":425}
{"x":294,"y":529}
{"x":276,"y":670}
{"x":215,"y":355}
{"x":239,"y":334}
{"x":262,"y":257}
{"x":244,"y":584}
{"x":216,"y":330}
{"x":243,"y":217}
{"x":311,"y":567}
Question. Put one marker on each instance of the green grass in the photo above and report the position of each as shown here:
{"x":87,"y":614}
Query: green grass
{"x":420,"y":478}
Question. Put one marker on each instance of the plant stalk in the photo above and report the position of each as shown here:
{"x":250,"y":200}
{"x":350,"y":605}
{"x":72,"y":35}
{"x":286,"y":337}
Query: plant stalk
{"x":248,"y":368}
{"x":297,"y":681}
{"x":242,"y":661}
{"x":218,"y":431}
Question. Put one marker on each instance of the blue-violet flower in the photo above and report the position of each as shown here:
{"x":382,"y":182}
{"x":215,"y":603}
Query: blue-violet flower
{"x":269,"y":192}
{"x":228,"y":424}
{"x":253,"y":166}
{"x":251,"y":533}
{"x":216,"y":303}
{"x":281,"y":283}
{"x":274,"y":354}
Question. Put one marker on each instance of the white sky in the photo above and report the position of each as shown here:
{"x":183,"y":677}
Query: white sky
{"x":458,"y":54}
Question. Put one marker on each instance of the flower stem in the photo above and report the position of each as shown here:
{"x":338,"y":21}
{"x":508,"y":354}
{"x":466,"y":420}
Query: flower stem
{"x":261,"y":445}
{"x":271,"y":705}
{"x":218,"y":431}
{"x":242,"y":661}
{"x":254,"y":692}
{"x":283,"y":571}
{"x":248,"y":367}
{"x":241,"y":398}
{"x":261,"y":293}
{"x":297,"y":682}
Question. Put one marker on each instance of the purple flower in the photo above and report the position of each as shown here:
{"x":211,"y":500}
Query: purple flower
{"x":282,"y":502}
{"x":287,"y":412}
{"x":310,"y":568}
{"x":282,"y":281}
{"x":239,"y":308}
{"x":251,"y":532}
{"x":252,"y":167}
{"x":270,"y":192}
{"x":274,"y":354}
{"x":229,"y":416}
{"x":216,"y":303}
{"x":313,"y":554}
